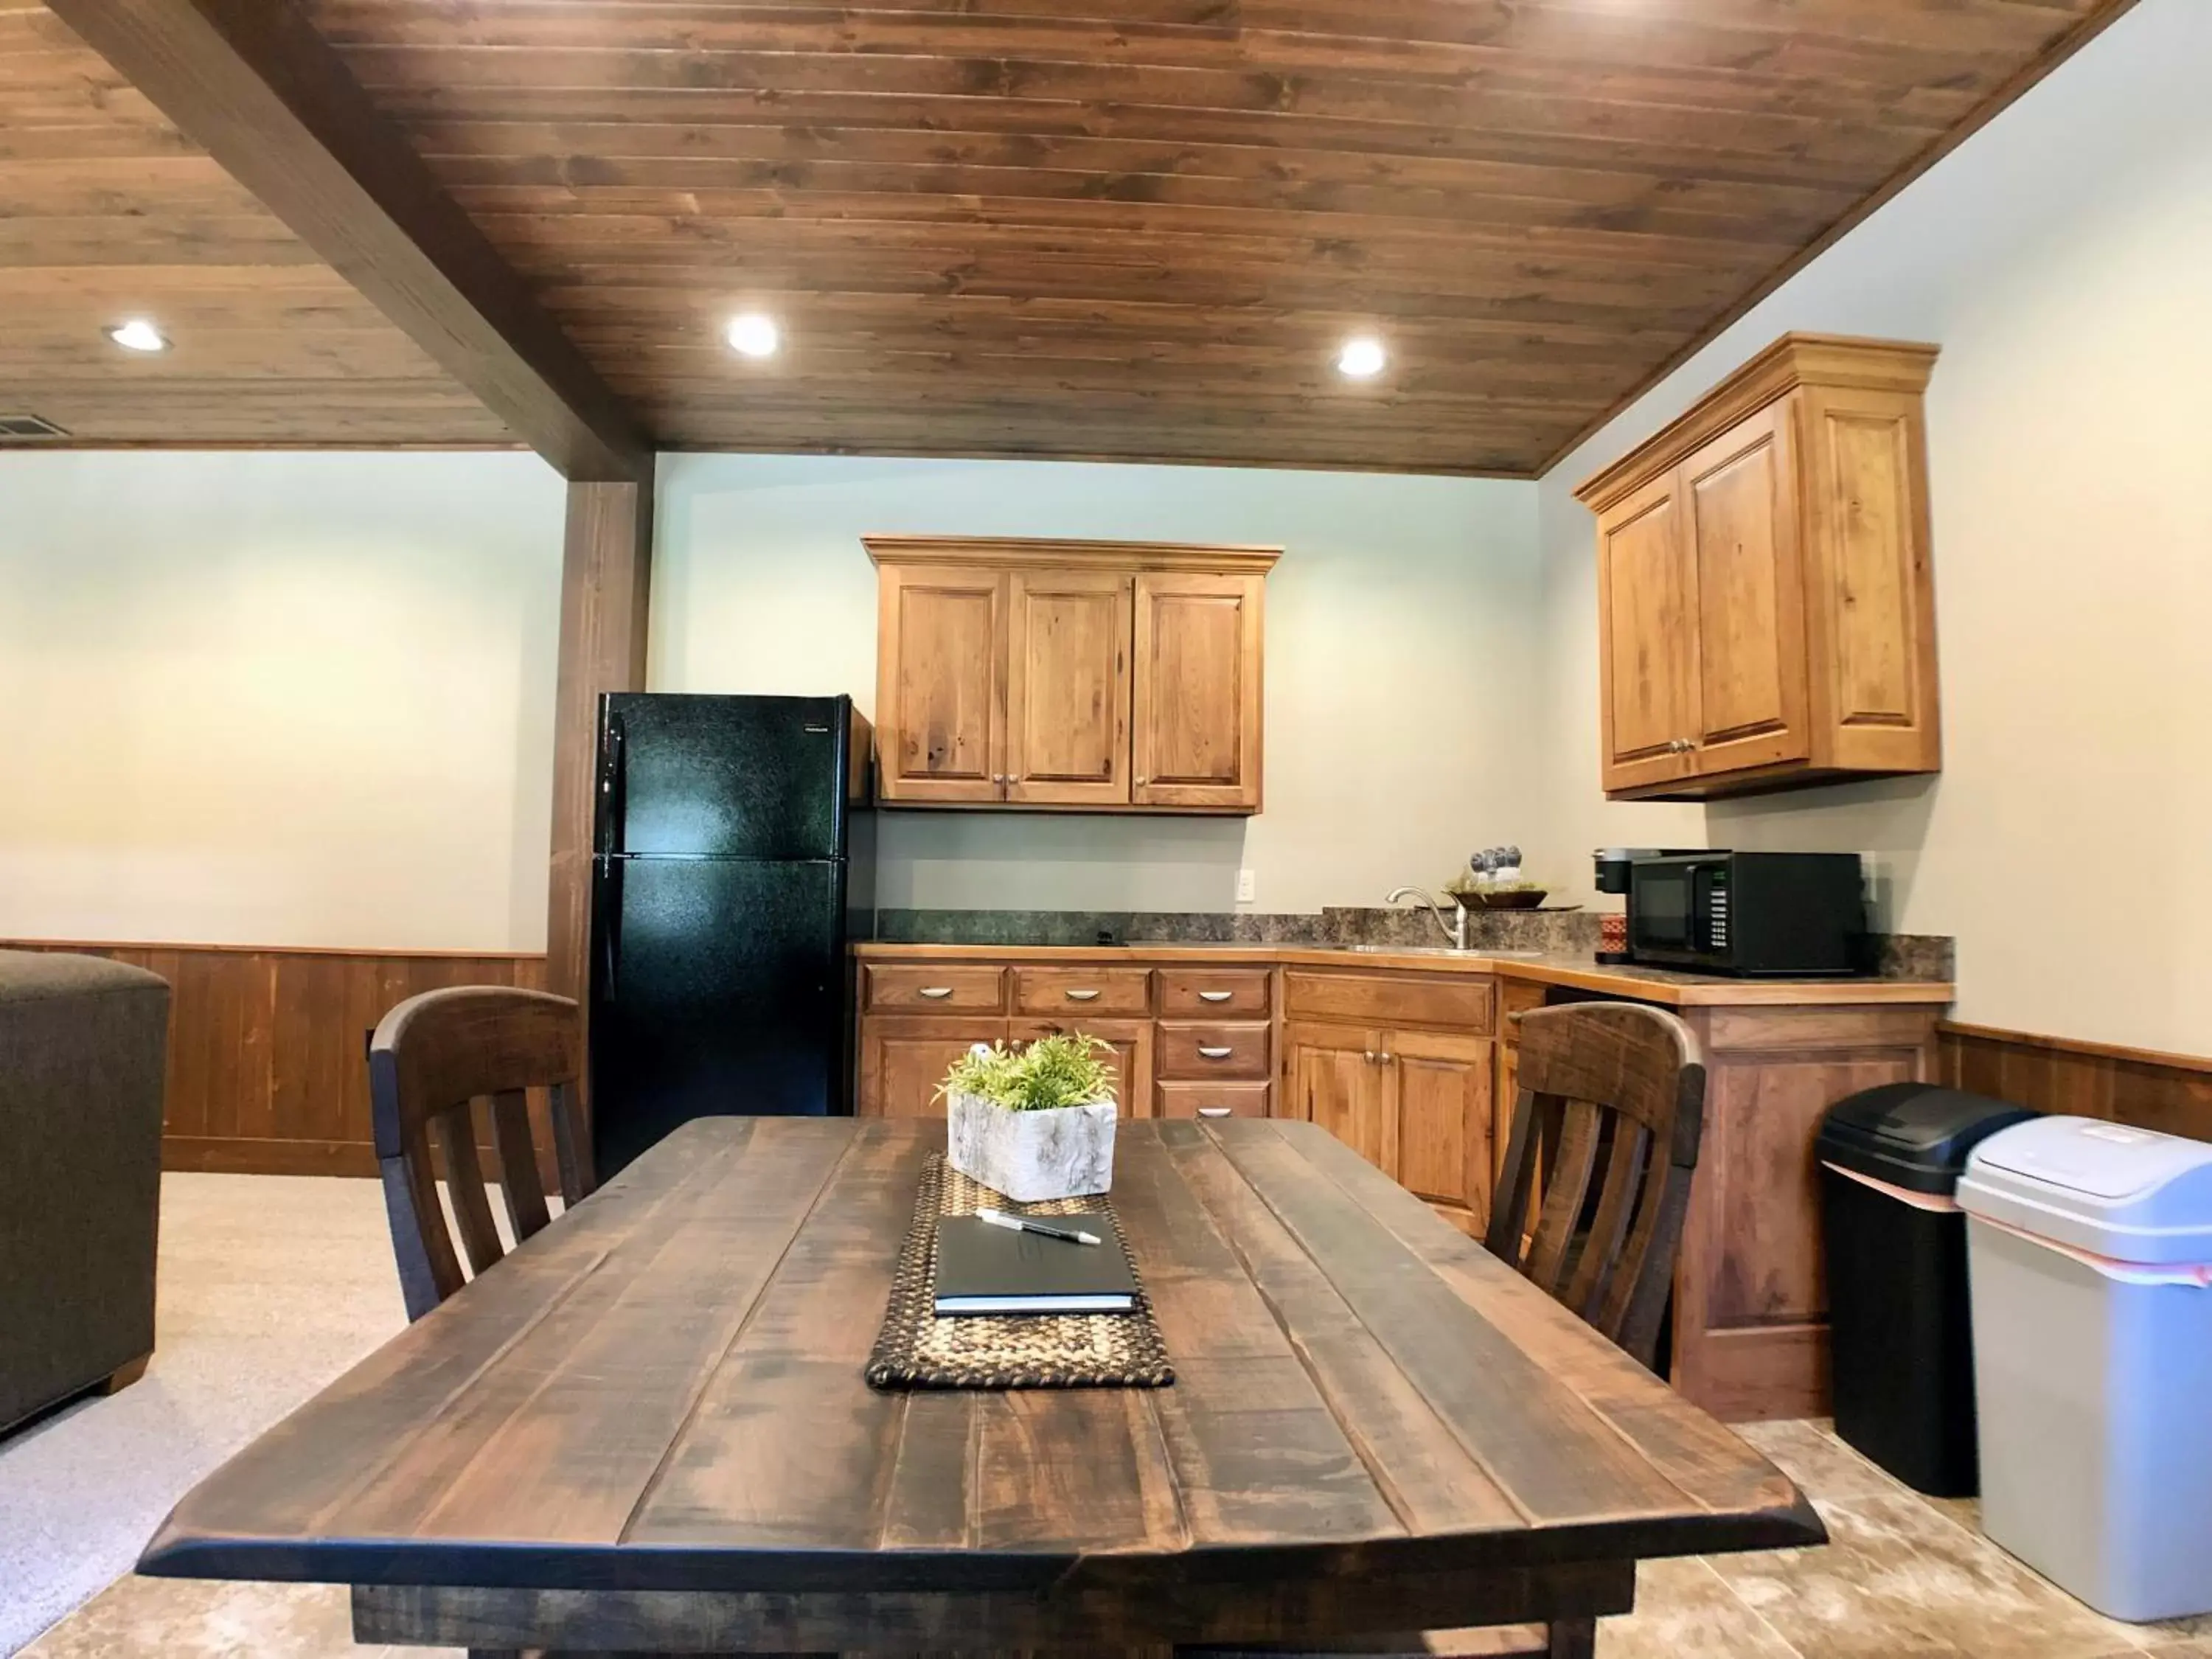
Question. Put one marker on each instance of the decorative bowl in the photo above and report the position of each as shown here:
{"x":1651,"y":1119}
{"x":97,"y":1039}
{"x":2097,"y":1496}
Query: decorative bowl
{"x":1510,"y":899}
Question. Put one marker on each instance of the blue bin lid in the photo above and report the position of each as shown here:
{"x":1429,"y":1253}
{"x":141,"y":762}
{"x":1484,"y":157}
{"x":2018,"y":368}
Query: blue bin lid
{"x":2131,"y":1195}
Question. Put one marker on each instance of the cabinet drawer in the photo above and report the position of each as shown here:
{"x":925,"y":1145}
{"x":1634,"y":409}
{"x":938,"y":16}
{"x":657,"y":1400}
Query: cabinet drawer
{"x":1215,"y":993}
{"x":1200,"y":1051}
{"x":1213,"y":1100}
{"x":1463,"y":1003}
{"x":925,"y":988}
{"x":1067,"y":993}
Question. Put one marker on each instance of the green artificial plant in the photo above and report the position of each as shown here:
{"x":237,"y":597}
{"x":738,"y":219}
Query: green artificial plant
{"x":1035,"y":1076}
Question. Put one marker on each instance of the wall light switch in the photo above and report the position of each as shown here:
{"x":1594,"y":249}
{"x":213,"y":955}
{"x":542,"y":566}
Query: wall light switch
{"x":1247,"y":887}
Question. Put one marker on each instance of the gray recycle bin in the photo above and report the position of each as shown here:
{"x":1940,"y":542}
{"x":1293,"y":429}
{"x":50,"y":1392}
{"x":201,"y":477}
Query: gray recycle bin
{"x":2090,"y":1267}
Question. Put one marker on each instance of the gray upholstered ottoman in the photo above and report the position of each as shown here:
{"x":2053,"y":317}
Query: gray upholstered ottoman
{"x":83,"y":1044}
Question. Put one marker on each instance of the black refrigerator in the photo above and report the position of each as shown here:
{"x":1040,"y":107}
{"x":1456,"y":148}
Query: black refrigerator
{"x":733,"y":862}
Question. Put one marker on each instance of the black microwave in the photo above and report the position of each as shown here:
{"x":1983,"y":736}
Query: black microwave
{"x":1749,"y":913}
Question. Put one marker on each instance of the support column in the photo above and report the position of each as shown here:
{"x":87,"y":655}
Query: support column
{"x":605,"y":578}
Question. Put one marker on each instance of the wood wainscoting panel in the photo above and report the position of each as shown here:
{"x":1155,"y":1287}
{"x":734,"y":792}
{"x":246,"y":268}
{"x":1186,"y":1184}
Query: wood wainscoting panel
{"x":268,"y":1049}
{"x":2140,"y":1086}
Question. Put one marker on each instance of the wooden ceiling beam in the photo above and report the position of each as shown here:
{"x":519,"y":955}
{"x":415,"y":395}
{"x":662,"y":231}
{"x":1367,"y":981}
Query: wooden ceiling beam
{"x":254,"y":83}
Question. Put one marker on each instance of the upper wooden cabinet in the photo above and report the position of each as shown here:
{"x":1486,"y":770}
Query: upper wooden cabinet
{"x":1767,"y":611}
{"x":1115,"y":676}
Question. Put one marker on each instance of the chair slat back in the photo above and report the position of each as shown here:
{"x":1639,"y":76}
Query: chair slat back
{"x":432,"y":1057}
{"x":1611,"y":1094}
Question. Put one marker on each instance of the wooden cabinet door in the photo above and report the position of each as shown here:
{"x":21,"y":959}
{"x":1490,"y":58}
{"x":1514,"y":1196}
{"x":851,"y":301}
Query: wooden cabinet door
{"x":1196,"y":696}
{"x":1132,"y":1058}
{"x":1870,"y":591}
{"x":1647,"y":651}
{"x":1069,"y":635}
{"x":904,"y":1057}
{"x":1746,"y":597}
{"x":1441,"y":1081}
{"x":1334,"y":1076}
{"x":940,"y":684}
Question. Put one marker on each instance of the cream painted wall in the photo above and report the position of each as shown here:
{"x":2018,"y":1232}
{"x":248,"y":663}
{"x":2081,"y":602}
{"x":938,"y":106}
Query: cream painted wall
{"x":277,"y":698}
{"x":2060,"y":259}
{"x":1399,"y":661}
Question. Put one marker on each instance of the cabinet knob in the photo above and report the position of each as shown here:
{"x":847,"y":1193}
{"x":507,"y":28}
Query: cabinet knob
{"x":1215,"y":1054}
{"x":934,"y":992}
{"x":1080,"y":996}
{"x":1370,"y":1056}
{"x":1388,"y":1056}
{"x":1215,"y":996}
{"x":1214,"y":1111}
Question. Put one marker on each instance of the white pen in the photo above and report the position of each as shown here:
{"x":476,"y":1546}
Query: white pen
{"x":1022,"y":1225}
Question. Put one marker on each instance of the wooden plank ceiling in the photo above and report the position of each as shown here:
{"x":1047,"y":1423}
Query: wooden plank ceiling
{"x":1030,"y":226}
{"x":107,"y":212}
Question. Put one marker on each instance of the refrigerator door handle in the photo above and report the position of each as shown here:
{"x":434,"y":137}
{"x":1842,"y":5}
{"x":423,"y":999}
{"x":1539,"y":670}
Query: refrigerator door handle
{"x":608,"y":925}
{"x":613,"y":776}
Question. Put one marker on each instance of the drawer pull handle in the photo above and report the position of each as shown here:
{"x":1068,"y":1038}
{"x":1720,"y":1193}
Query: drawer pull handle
{"x":1215,"y":996}
{"x":934,"y":992}
{"x":1214,"y":1111}
{"x":1081,"y":996}
{"x":1215,"y":1054}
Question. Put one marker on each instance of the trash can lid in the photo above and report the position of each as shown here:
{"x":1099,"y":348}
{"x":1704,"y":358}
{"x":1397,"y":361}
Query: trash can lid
{"x":2131,"y":1195}
{"x":1914,"y":1135}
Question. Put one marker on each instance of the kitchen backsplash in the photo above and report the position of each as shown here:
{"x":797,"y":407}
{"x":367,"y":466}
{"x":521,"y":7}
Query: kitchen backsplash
{"x":1525,"y":931}
{"x":1569,"y":932}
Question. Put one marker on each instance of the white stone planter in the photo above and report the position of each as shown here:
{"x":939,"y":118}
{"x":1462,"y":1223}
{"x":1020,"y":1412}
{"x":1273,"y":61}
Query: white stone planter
{"x":1029,"y":1157}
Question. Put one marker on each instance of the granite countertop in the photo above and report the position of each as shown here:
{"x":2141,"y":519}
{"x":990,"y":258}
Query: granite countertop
{"x":1573,"y":969}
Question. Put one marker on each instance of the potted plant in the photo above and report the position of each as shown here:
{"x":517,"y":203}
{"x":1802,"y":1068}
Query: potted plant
{"x":1034,"y":1121}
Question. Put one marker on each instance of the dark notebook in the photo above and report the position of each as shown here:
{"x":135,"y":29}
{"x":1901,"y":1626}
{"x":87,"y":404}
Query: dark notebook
{"x":982,"y":1269}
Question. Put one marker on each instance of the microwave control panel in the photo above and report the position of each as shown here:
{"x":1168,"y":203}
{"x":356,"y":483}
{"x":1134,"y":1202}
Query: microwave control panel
{"x":1717,"y":912}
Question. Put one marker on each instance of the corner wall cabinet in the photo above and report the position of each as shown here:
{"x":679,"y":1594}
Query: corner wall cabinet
{"x":1766,"y":612}
{"x":1105,"y":676}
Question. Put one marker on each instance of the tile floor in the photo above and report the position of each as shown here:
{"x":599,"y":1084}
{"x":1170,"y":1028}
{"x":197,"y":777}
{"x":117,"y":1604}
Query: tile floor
{"x":1905,"y":1577}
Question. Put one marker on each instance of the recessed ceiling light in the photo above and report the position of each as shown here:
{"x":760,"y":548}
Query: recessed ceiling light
{"x":138,"y":335}
{"x":753,"y":335}
{"x":1362,"y":357}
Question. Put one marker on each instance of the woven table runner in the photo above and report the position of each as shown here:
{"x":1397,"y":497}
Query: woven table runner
{"x":916,"y":1349}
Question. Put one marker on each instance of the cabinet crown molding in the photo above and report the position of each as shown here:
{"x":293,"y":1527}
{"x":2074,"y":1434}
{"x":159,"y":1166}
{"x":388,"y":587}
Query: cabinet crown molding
{"x":1032,"y":552}
{"x":1794,"y":360}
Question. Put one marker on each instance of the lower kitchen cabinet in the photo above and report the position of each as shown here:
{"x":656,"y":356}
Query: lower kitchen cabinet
{"x":1415,"y":1070}
{"x":1131,"y":1041}
{"x":1416,"y":1105}
{"x":1334,"y":1077}
{"x":903,"y":1059}
{"x":1442,"y":1080}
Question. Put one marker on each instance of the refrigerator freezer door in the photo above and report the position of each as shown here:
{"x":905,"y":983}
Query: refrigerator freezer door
{"x":724,"y":777}
{"x":717,"y":989}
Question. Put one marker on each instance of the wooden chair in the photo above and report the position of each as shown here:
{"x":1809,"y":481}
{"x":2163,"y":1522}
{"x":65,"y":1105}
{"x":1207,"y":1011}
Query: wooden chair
{"x":432,"y":1057}
{"x":1617,"y":1086}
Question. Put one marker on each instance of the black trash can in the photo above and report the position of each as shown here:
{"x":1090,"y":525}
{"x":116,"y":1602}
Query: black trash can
{"x":1901,"y":1345}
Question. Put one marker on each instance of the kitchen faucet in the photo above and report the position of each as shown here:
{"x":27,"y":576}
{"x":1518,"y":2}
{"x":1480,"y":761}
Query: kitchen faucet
{"x":1455,"y":930}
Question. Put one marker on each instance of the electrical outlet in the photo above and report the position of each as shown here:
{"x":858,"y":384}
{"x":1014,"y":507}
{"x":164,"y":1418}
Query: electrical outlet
{"x":1247,"y":887}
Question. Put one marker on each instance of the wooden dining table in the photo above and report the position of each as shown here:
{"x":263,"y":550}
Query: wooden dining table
{"x":648,"y":1429}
